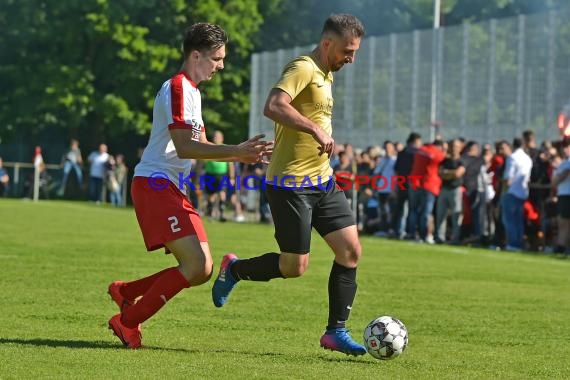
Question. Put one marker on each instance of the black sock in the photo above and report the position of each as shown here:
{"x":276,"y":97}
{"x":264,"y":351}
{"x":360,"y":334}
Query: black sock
{"x":260,"y":268}
{"x":222,"y":207}
{"x":342,"y":290}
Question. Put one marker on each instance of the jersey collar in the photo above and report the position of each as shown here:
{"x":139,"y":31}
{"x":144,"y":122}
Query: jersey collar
{"x":194,"y":84}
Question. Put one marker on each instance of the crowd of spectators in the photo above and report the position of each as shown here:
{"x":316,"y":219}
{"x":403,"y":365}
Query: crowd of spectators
{"x":103,"y":179}
{"x":513,"y":195}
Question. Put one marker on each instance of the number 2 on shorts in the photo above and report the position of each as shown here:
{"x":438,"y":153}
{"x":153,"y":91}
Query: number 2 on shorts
{"x":174,"y":224}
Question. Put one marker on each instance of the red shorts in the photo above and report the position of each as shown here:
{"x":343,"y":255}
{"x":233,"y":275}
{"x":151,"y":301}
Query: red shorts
{"x":164,"y":214}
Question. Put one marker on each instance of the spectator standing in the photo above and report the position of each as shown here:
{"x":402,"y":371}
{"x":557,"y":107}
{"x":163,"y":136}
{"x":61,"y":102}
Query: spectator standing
{"x":427,"y":185}
{"x":218,"y":172}
{"x":498,"y":164}
{"x":258,"y":171}
{"x":4,"y":180}
{"x":234,"y":192}
{"x":116,"y":175}
{"x":403,"y":167}
{"x":344,"y":169}
{"x":121,"y":172}
{"x":517,"y":176}
{"x":385,"y":189}
{"x":561,"y":180}
{"x":486,"y":194}
{"x":42,"y":176}
{"x":473,"y":162}
{"x":72,"y":160}
{"x":450,"y":198}
{"x":530,"y":145}
{"x":97,"y":172}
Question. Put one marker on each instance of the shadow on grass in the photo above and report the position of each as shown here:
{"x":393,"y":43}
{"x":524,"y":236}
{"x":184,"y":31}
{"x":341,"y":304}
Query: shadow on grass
{"x":58,"y":343}
{"x":87,"y":344}
{"x":348,"y":359}
{"x":68,"y":343}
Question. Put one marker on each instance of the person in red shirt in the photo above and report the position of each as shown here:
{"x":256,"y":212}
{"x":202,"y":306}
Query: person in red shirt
{"x":502,"y":151}
{"x":426,"y":185}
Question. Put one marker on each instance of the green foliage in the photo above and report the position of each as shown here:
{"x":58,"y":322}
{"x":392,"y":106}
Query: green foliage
{"x":97,"y":64}
{"x":94,"y":66}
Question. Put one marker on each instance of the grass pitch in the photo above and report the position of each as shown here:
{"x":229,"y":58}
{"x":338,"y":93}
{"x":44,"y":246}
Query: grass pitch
{"x":470,"y":313}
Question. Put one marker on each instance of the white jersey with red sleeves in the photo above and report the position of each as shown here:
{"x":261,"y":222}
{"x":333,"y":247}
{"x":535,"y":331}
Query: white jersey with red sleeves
{"x":177,"y":105}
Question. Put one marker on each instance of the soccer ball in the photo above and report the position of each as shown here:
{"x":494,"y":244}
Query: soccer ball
{"x":385,"y":338}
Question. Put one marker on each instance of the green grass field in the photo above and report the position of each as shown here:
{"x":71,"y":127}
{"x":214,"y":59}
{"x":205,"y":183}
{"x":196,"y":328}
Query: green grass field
{"x":470,"y":313}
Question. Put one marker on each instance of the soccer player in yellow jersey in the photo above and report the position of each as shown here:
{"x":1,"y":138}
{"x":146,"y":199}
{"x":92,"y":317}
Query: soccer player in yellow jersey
{"x":301,"y":192}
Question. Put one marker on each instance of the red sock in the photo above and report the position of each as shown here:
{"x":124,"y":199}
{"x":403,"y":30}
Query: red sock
{"x":134,"y":289}
{"x":163,"y":289}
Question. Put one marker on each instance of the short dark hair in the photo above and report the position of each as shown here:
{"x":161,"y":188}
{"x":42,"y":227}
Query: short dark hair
{"x":343,"y":24}
{"x":517,"y":143}
{"x":413,"y":137}
{"x":528,"y":135}
{"x":203,"y":36}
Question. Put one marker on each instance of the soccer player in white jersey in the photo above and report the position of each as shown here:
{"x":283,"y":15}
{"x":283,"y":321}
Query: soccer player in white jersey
{"x":165,"y":216}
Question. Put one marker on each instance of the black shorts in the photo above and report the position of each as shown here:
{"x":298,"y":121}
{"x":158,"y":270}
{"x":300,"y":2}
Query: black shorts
{"x":296,"y":211}
{"x":564,"y":206}
{"x":213,"y":183}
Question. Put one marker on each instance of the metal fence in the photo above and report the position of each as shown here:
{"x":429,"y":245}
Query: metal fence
{"x":493,"y":80}
{"x":27,"y":181}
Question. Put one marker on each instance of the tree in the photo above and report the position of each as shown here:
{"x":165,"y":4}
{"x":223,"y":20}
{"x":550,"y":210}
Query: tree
{"x":94,"y":66}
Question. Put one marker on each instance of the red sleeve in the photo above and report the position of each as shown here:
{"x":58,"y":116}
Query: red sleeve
{"x":178,"y":104}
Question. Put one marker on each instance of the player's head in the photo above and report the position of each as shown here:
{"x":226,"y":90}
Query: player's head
{"x":340,"y":39}
{"x":205,"y":49}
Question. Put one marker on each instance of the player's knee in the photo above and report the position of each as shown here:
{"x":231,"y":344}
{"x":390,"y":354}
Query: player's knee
{"x":293,"y":269}
{"x":199,"y":277}
{"x":208,"y":270}
{"x":355,"y":251}
{"x":198,"y":273}
{"x":205,"y":272}
{"x":351,"y":254}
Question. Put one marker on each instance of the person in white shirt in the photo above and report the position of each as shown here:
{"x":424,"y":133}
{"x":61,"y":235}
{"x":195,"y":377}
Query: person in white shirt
{"x":98,"y":167}
{"x":516,"y":176}
{"x":166,"y":217}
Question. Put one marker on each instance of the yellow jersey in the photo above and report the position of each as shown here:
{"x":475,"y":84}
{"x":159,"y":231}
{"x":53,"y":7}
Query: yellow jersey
{"x":296,"y":154}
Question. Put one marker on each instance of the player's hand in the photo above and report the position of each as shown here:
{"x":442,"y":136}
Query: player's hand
{"x":268,"y":153}
{"x":251,"y":151}
{"x":325,"y":141}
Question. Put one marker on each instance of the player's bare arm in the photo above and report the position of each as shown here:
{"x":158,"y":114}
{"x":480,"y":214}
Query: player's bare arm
{"x":249,"y":151}
{"x":279,"y":109}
